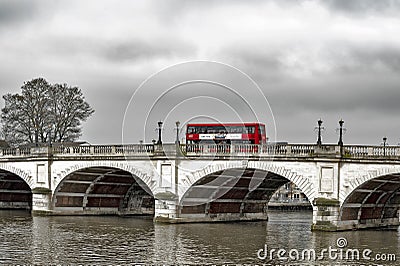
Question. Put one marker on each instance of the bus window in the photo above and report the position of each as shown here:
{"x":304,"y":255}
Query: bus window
{"x":262,"y":130}
{"x":202,"y":130}
{"x":235,"y":129}
{"x":220,"y":129}
{"x":250,"y":130}
{"x":191,"y":130}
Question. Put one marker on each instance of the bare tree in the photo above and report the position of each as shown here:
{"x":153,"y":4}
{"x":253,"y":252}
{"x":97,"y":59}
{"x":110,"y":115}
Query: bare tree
{"x":44,"y":112}
{"x":68,"y":108}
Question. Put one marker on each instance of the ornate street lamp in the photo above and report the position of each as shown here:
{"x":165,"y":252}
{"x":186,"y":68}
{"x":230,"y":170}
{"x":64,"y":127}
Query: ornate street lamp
{"x":319,"y":141}
{"x":384,"y":146}
{"x":159,"y":142}
{"x":341,"y":122}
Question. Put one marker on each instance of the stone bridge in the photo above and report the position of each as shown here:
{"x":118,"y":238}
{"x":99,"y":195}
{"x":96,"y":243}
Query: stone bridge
{"x":349,"y":187}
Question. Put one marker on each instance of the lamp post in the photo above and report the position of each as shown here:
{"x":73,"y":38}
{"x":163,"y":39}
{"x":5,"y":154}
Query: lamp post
{"x":384,"y":146}
{"x":319,"y":141}
{"x":159,"y":142}
{"x":177,"y":123}
{"x":340,"y":143}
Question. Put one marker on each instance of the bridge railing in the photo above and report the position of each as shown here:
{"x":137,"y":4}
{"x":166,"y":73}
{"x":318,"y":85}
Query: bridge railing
{"x":371,"y":151}
{"x":293,"y":150}
{"x":283,"y":150}
{"x":249,"y":149}
{"x":16,"y":151}
{"x":129,"y":149}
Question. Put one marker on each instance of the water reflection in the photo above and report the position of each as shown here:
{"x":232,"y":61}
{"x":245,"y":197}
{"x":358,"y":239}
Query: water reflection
{"x":15,"y":235}
{"x":116,"y":240}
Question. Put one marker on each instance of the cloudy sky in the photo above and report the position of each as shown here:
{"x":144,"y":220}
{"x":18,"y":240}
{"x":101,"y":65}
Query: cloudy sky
{"x":311,"y":59}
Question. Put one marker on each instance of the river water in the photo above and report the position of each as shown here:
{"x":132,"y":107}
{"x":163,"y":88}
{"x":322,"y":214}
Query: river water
{"x":107,"y":240}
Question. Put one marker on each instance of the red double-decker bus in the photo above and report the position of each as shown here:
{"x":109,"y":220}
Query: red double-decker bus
{"x":226,"y":133}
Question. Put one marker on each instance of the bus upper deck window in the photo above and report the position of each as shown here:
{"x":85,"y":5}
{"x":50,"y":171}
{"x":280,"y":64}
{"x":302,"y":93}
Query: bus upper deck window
{"x":235,"y":129}
{"x":250,"y":130}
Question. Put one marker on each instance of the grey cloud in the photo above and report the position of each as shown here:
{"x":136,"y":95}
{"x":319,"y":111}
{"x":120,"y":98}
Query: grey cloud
{"x":16,"y":12}
{"x":259,"y":62}
{"x":137,"y":49}
{"x":368,"y":58}
{"x":333,"y":58}
{"x":388,"y":57}
{"x":362,"y":6}
{"x":116,"y":51}
{"x":329,"y":93}
{"x":266,"y":62}
{"x":348,"y":6}
{"x":359,"y":79}
{"x":174,"y":9}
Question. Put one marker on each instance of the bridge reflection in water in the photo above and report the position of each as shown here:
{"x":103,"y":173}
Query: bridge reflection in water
{"x":114,"y":240}
{"x":349,"y":187}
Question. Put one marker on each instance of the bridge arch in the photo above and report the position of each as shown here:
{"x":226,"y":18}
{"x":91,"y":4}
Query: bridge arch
{"x":96,"y":188}
{"x":303,"y":183}
{"x":15,"y":192}
{"x":374,"y":200}
{"x":350,"y":184}
{"x":19,"y":172}
{"x":126,"y":166}
{"x":233,"y":191}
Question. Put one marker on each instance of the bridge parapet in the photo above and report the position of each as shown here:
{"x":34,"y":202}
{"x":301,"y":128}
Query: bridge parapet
{"x":209,"y":150}
{"x":371,"y":151}
{"x":15,"y":152}
{"x":295,"y":150}
{"x":78,"y":151}
{"x":105,"y":149}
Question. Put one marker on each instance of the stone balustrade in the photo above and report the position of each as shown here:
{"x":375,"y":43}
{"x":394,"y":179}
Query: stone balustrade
{"x":196,"y":150}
